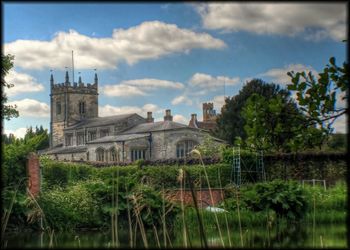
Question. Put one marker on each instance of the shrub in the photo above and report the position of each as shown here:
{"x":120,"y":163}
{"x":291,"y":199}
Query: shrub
{"x":286,"y":199}
{"x":69,"y":208}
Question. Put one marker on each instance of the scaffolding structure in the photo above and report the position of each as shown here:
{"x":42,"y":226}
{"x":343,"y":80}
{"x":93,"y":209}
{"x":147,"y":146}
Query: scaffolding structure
{"x":243,"y":172}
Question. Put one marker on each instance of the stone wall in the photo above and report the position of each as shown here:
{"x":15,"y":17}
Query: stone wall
{"x":57,"y":133}
{"x":91,"y":106}
{"x":164,"y":142}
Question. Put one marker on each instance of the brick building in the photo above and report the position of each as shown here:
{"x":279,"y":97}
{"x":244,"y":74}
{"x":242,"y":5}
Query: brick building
{"x":209,"y":118}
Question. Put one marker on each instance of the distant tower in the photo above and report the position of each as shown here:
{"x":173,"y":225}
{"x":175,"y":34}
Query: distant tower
{"x":209,"y":114}
{"x":71,"y":103}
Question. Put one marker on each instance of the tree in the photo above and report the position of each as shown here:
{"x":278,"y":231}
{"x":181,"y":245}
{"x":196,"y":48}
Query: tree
{"x":272,"y":125}
{"x":317,"y":97}
{"x":230,"y":124}
{"x":44,"y":143}
{"x":8,"y":111}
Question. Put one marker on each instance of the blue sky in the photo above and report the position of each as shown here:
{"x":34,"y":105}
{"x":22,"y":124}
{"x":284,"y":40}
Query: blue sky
{"x":151,"y":57}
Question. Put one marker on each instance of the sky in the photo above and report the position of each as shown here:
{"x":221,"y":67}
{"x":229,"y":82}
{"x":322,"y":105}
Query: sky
{"x":158,"y":56}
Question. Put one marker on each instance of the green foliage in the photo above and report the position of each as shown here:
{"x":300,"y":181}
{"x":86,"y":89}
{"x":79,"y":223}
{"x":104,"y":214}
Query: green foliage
{"x":45,"y":143}
{"x":69,"y":208}
{"x":230,"y":123}
{"x":286,"y":199}
{"x":332,"y":199}
{"x":209,"y":148}
{"x":18,"y":214}
{"x":15,"y":158}
{"x":62,"y":173}
{"x":317,"y":96}
{"x":337,"y":142}
{"x":8,"y":111}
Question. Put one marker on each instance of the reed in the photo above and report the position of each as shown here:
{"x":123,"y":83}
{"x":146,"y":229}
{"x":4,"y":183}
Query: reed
{"x":204,"y":241}
{"x":129,"y":219}
{"x":239,"y":219}
{"x":210,"y":194}
{"x":181,"y":179}
{"x":6,"y":215}
{"x":226,"y":221}
{"x":137,"y":212}
{"x":163,"y":218}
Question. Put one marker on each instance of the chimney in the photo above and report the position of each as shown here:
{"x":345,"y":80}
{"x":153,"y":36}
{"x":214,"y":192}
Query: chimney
{"x":168,"y":116}
{"x":149,"y":117}
{"x":193,"y":121}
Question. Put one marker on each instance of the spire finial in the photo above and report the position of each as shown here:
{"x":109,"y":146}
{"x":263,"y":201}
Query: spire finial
{"x":96,"y":79}
{"x":67,"y":76}
{"x":51,"y":78}
{"x":79,"y":78}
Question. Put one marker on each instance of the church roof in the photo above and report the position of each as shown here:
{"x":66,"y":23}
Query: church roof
{"x":120,"y":137}
{"x":66,"y":150}
{"x":100,"y":121}
{"x":155,"y":126}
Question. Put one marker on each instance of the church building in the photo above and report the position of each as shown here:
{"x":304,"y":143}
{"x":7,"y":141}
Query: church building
{"x":78,"y":133}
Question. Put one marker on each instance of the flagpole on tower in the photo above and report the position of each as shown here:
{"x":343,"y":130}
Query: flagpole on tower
{"x":73,"y":67}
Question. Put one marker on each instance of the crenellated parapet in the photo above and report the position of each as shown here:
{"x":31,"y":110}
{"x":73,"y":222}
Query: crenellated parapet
{"x":76,"y":87}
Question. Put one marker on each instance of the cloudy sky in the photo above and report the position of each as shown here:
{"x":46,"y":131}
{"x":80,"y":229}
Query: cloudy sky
{"x":151,"y":57}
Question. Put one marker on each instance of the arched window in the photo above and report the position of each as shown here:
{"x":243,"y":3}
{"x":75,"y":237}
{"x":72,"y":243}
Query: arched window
{"x":113,"y":154}
{"x":100,"y":154}
{"x":184,"y":147}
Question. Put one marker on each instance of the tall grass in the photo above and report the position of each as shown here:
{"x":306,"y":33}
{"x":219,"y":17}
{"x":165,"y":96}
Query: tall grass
{"x":195,"y":151}
{"x":226,"y":221}
{"x":5,"y":217}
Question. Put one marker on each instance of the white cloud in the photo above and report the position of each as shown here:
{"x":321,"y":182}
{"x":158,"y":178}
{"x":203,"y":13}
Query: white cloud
{"x":218,"y":101}
{"x":122,"y":90}
{"x":18,"y":133}
{"x":341,"y":103}
{"x":149,"y":40}
{"x":279,"y":75}
{"x":181,"y":99}
{"x":139,"y":87}
{"x":180,"y":119}
{"x":340,"y":125}
{"x":109,"y":110}
{"x":316,"y":20}
{"x":32,"y":108}
{"x":151,"y":83}
{"x":211,"y":82}
{"x":23,"y":83}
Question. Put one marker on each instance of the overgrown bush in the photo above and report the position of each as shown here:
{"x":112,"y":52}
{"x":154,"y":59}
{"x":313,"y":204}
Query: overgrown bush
{"x":70,"y":207}
{"x":286,"y":199}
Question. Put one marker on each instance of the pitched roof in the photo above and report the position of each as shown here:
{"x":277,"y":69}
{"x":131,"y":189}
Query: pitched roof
{"x":120,"y":137}
{"x":100,"y":121}
{"x":66,"y":150}
{"x":155,"y":126}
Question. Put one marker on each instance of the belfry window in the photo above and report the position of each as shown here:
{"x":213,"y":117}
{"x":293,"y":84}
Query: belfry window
{"x":184,"y":147}
{"x":81,"y":107}
{"x":58,"y":108}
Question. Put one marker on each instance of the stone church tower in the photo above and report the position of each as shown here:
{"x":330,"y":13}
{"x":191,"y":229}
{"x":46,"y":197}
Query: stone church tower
{"x":70,"y":104}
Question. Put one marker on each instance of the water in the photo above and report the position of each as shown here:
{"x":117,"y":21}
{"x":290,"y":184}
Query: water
{"x":287,"y":236}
